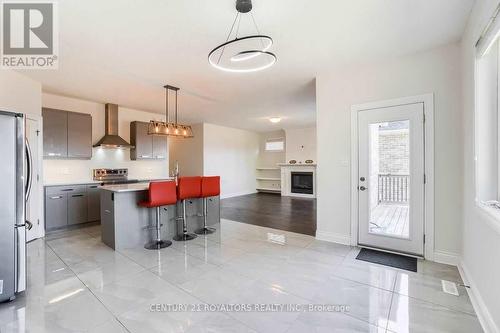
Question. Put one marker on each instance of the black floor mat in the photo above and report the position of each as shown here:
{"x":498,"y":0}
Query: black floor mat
{"x":388,"y":259}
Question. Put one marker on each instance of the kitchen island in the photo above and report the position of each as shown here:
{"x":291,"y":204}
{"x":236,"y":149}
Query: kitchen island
{"x":126,"y":225}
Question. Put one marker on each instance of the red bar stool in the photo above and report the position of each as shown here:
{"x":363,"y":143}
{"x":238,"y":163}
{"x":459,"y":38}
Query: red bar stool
{"x":187,"y":188}
{"x":160,"y":194}
{"x":210,"y":187}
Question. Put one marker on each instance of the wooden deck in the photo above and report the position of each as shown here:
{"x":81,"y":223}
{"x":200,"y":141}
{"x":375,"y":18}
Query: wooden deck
{"x":390,"y":219}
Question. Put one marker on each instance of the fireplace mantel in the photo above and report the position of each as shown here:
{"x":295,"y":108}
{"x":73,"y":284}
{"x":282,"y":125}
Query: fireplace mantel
{"x":296,"y":164}
{"x":286,"y":175}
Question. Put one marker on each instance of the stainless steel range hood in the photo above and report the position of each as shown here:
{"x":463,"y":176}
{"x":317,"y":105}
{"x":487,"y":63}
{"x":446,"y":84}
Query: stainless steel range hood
{"x":111,"y":139}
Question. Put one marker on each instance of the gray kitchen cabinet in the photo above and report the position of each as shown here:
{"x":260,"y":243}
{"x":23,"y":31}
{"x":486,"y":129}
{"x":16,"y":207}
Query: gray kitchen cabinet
{"x":159,"y":147}
{"x":66,"y":135}
{"x":194,"y":211}
{"x":146,"y":147}
{"x":94,"y":203}
{"x":55,"y":133}
{"x":77,"y":208}
{"x":168,"y":221}
{"x":68,"y":205}
{"x":213,"y":207}
{"x":56,"y":211}
{"x":108,"y":218}
{"x":142,"y":142}
{"x":79,"y":135}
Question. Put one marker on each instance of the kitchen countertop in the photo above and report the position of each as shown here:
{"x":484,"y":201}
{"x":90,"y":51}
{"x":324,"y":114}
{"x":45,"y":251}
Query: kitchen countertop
{"x":89,"y":182}
{"x":66,"y":183}
{"x":134,"y":187}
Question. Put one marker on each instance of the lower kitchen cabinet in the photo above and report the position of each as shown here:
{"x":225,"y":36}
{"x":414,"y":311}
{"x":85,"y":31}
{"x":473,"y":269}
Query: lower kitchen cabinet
{"x":93,"y":203}
{"x":77,"y":208}
{"x":56,"y":211}
{"x":69,"y":205}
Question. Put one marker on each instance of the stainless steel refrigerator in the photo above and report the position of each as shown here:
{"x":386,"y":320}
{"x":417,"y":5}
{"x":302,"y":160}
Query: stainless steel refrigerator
{"x":15,"y":184}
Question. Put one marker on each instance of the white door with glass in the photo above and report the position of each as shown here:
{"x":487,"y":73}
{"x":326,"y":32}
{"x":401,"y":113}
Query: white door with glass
{"x":391,"y":178}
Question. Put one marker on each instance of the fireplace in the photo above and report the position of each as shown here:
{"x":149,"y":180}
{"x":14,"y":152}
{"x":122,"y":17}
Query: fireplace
{"x":302,"y":182}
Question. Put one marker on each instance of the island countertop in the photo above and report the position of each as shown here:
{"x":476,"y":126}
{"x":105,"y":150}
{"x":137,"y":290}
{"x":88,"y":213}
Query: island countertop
{"x":125,"y":224}
{"x":133,"y":187}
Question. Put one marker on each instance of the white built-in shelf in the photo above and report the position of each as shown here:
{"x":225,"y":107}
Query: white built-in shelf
{"x":268,"y":168}
{"x":269,"y":189}
{"x":269,"y":178}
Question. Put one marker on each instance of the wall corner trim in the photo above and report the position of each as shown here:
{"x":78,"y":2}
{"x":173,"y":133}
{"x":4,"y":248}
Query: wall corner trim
{"x":333,"y":237}
{"x":484,"y":316}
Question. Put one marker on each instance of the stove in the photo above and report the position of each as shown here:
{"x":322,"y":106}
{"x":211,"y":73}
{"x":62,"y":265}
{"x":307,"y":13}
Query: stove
{"x":113,"y":176}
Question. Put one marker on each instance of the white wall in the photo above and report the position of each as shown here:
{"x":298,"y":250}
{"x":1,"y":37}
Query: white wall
{"x":481,"y":232}
{"x":301,"y":144}
{"x":18,"y":93}
{"x":56,"y":171}
{"x":436,"y":71}
{"x":231,"y":153}
{"x":188,"y":153}
{"x":266,"y":158}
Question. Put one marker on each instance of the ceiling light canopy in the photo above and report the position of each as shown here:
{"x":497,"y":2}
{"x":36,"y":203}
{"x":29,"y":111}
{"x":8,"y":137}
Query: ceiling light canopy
{"x":275,"y":120}
{"x":168,"y":128}
{"x":243,"y":54}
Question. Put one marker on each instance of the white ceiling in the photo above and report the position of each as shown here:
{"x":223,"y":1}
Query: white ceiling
{"x":124,"y":51}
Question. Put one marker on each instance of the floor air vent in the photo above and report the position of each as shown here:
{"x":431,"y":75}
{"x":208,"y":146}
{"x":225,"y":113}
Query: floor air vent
{"x":449,"y":287}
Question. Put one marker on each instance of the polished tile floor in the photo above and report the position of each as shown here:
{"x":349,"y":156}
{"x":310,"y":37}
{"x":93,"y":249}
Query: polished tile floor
{"x":77,"y":284}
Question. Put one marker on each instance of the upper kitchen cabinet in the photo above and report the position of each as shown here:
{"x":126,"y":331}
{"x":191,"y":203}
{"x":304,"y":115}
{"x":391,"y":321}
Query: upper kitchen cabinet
{"x":66,"y":134}
{"x":159,"y":146}
{"x":79,"y":135}
{"x":146,"y":147}
{"x":55,"y":133}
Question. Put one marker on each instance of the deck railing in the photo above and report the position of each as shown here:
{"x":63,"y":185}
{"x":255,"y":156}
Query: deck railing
{"x":393,"y":188}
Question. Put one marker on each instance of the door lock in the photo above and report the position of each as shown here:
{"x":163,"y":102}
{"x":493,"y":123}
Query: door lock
{"x":362,"y":188}
{"x":362,"y":179}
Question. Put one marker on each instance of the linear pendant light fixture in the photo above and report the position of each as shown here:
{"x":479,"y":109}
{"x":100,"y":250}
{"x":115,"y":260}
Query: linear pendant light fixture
{"x":243,"y":54}
{"x":168,"y":128}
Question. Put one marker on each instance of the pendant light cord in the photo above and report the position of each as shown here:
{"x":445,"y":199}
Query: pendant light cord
{"x":166,"y":106}
{"x":256,"y":28}
{"x":228,"y":36}
{"x":238,"y":28}
{"x":176,"y":105}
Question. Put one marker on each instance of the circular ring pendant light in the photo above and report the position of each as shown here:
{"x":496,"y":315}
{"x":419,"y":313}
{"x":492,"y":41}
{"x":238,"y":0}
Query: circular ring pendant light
{"x":243,"y":54}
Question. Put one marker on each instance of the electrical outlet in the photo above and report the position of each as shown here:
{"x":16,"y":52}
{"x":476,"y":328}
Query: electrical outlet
{"x":150,"y":170}
{"x":64,"y":171}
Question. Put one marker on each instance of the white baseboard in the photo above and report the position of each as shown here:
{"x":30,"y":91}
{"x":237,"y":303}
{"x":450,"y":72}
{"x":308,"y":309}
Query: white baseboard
{"x":484,"y":316}
{"x":237,"y":194}
{"x":448,"y":258}
{"x":333,"y":237}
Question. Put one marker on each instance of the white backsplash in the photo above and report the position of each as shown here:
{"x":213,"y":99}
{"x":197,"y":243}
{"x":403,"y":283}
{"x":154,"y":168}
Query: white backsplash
{"x":59,"y":171}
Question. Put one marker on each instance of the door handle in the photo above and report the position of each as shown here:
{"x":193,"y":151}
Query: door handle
{"x":28,"y":225}
{"x":29,"y":173}
{"x":362,"y":188}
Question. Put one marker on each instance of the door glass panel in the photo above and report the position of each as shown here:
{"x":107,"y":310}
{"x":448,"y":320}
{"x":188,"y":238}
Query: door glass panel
{"x":389,"y":180}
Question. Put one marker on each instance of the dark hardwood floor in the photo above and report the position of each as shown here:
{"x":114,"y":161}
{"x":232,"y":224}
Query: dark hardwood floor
{"x":272,"y":210}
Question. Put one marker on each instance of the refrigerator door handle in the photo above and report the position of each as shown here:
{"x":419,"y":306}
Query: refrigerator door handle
{"x":20,"y":258}
{"x":29,"y":170}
